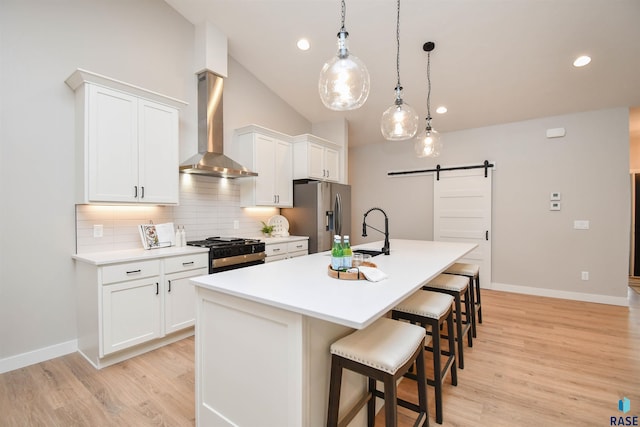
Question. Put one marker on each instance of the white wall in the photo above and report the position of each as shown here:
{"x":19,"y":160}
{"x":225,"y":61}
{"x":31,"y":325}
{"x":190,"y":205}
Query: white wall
{"x":142,"y":42}
{"x":534,"y":250}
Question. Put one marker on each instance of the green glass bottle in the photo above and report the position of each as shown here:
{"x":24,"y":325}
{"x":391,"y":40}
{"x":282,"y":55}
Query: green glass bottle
{"x":336,"y":253}
{"x":347,"y":253}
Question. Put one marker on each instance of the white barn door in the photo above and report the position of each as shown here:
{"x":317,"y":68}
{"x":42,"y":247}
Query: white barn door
{"x":462,"y":213}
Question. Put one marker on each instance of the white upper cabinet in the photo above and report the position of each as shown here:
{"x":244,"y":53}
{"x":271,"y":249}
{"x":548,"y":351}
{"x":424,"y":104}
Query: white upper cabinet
{"x":127,"y":142}
{"x":268,"y":153}
{"x":316,"y":158}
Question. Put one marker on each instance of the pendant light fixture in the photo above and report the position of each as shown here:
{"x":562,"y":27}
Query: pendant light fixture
{"x":344,"y":79}
{"x":400,"y":121}
{"x":427,"y":143}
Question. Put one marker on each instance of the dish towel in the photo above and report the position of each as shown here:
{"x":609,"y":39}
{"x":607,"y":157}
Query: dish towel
{"x":371,"y":273}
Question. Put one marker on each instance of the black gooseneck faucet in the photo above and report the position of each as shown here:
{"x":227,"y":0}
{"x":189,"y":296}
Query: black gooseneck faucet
{"x":385,"y":248}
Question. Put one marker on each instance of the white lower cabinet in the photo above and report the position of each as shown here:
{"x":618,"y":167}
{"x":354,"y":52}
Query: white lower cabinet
{"x":179,"y":308}
{"x":284,"y":250}
{"x":130,"y":314}
{"x":128,"y":308}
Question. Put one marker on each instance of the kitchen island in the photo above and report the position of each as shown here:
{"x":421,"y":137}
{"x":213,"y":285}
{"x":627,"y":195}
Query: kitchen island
{"x":263,"y":333}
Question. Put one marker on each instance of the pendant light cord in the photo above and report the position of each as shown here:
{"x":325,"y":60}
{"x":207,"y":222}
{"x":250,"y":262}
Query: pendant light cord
{"x":398,"y":43}
{"x":342,"y":15}
{"x":429,"y":89}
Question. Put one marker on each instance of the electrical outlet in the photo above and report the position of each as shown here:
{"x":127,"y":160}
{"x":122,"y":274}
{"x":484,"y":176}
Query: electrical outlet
{"x":585,"y":275}
{"x":236,"y":224}
{"x":581,"y":224}
{"x":98,"y":230}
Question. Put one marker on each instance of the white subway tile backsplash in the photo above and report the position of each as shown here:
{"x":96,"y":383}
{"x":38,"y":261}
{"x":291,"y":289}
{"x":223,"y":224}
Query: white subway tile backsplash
{"x":208,"y":207}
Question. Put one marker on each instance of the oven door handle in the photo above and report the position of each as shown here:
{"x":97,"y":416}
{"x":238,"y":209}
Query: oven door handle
{"x":237,"y":260}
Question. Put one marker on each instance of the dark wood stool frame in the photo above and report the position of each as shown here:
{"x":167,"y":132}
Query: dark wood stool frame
{"x":390,"y":395}
{"x":439,"y":370}
{"x":462,"y":327}
{"x":474,"y":283}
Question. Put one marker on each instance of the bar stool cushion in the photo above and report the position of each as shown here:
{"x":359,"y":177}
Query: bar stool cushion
{"x":449,"y":282}
{"x":463,"y":269}
{"x":429,"y":304}
{"x":385,"y":345}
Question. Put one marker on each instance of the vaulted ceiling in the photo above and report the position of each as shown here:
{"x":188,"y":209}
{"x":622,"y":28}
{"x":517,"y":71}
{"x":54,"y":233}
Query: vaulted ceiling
{"x":495,"y":61}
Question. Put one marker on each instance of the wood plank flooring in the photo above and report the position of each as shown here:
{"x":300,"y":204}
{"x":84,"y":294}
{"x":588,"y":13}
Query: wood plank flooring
{"x":536,"y":362}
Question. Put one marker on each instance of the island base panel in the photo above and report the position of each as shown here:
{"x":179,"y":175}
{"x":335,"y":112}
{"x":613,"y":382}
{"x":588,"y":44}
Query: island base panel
{"x":261,"y":365}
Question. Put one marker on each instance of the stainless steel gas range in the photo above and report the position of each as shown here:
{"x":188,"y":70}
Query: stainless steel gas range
{"x":228,"y":253}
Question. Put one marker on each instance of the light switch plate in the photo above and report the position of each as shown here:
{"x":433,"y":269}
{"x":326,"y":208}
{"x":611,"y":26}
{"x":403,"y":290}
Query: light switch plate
{"x":581,"y":224}
{"x":555,"y":196}
{"x":554,"y":206}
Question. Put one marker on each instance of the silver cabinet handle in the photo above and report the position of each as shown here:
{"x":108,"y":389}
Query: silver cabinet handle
{"x":169,"y":285}
{"x":184,"y":264}
{"x":133,"y":271}
{"x":135,"y":189}
{"x":142,"y":196}
{"x":276,"y":250}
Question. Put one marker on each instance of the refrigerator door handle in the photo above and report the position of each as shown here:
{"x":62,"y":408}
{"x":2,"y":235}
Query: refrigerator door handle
{"x":328,"y":220}
{"x":338,"y":214}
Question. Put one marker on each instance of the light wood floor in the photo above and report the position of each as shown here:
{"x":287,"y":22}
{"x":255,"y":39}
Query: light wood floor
{"x":536,"y":362}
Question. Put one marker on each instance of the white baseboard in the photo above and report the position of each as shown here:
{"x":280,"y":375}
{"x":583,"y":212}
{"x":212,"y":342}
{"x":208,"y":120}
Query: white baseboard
{"x":36,"y":356}
{"x":553,"y":293}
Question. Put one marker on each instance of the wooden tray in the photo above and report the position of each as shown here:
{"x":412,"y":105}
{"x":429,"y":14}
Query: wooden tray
{"x":343,"y":275}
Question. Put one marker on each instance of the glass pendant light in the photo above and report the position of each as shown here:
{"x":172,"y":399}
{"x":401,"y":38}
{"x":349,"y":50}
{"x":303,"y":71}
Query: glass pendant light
{"x":427,"y":143}
{"x":344,"y":79}
{"x":400,"y":121}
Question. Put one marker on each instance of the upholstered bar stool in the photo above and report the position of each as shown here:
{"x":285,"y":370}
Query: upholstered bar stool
{"x":472,"y":271}
{"x":433,"y":309}
{"x":457,"y":286}
{"x":383,"y":351}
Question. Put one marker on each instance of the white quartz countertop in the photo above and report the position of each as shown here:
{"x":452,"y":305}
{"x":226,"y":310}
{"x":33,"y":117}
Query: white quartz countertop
{"x":114,"y":257}
{"x":302,"y":285}
{"x":282,"y":239}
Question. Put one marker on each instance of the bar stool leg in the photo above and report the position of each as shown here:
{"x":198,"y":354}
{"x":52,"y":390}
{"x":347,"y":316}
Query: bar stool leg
{"x":371,"y":405}
{"x":454,"y":372}
{"x":335,"y":384}
{"x":471,"y":297}
{"x":437,"y":371}
{"x":470,"y":311}
{"x":422,"y":385}
{"x":390,"y":396}
{"x":478,"y":298}
{"x":459,"y":331}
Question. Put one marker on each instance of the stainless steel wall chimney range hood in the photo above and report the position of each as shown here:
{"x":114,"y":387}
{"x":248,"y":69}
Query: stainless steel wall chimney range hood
{"x":210,"y":159}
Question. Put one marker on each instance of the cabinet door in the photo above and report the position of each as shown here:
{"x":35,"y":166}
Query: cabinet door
{"x":264,"y":148}
{"x":332,"y":164}
{"x":316,"y":161}
{"x":158,"y":153}
{"x":180,"y":300}
{"x":283,"y":175}
{"x":112,"y":145}
{"x":131,"y":314}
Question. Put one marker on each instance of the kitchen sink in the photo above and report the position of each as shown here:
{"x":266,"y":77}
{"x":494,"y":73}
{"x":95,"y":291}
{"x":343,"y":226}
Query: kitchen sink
{"x":368,"y":252}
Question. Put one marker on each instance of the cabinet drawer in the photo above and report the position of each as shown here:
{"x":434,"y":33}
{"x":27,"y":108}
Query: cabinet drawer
{"x":300,"y":245}
{"x":186,"y":262}
{"x":276,"y":249}
{"x":130,"y":271}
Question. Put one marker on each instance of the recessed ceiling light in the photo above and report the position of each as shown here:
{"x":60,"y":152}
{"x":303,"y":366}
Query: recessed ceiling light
{"x":581,"y":61}
{"x":303,"y":44}
{"x":441,"y":109}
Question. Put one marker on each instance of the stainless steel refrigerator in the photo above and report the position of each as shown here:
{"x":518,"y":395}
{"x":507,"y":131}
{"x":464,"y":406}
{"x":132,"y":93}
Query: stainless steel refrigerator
{"x":320,"y":210}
